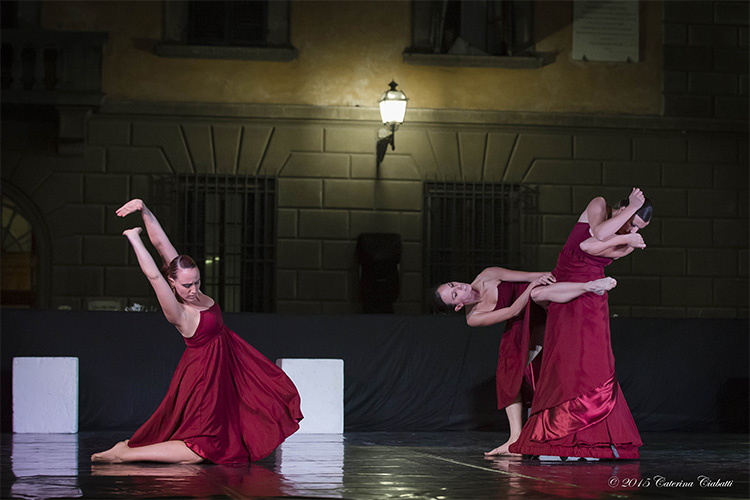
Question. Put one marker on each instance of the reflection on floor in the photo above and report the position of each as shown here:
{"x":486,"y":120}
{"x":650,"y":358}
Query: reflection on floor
{"x":378,"y":465}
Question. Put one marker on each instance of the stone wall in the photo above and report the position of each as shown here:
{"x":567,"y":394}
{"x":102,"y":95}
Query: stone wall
{"x":330,"y":190}
{"x":706,"y":58}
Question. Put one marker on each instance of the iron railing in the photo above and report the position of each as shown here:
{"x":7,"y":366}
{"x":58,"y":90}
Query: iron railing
{"x":228,"y":225}
{"x":471,"y":226}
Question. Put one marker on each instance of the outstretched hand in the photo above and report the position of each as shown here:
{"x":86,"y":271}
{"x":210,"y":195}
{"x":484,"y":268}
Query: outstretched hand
{"x":130,"y":207}
{"x":636,"y":198}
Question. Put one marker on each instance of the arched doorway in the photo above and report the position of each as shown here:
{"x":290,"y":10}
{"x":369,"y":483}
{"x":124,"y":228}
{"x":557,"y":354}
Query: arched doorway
{"x":23,"y":263}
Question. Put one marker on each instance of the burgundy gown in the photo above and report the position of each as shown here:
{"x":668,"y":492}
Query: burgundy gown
{"x":226,"y":401}
{"x":521,"y":332}
{"x":578,"y":408}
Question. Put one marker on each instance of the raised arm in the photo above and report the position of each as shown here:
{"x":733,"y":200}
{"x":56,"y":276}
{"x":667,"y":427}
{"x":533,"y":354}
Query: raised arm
{"x":173,"y":310}
{"x":155,"y":232}
{"x":615,"y":247}
{"x":596,"y":215}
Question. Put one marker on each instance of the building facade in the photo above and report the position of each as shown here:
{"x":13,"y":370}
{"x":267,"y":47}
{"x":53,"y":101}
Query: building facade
{"x":118,"y":103}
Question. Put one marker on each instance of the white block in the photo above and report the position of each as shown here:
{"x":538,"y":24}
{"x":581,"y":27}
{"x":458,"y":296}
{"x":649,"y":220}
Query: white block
{"x":320,"y":383}
{"x":45,"y":395}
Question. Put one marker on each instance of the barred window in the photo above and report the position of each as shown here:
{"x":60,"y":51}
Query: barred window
{"x":228,"y":226}
{"x":255,"y":30}
{"x":471,"y":226}
{"x":476,"y":27}
{"x":227,"y":23}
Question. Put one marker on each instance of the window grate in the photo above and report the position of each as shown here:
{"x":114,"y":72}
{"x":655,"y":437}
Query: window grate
{"x":471,"y":226}
{"x":228,"y":226}
{"x":478,"y":27}
{"x":227,"y":23}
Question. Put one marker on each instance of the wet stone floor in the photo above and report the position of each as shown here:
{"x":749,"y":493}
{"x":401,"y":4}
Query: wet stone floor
{"x":380,"y":465}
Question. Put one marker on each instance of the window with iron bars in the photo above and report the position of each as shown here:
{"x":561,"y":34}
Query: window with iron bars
{"x":471,"y":226}
{"x":227,"y":23}
{"x":476,"y":27}
{"x":228,"y":226}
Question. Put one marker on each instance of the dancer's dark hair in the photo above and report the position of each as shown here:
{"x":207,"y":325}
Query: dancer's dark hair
{"x":437,"y":301}
{"x":645,"y":212}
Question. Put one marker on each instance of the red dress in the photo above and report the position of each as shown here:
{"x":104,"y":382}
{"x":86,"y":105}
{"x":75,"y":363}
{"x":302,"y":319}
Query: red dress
{"x":521,"y":333}
{"x":578,"y":409}
{"x":226,"y":401}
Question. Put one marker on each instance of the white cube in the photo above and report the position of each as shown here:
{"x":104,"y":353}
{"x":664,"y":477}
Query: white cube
{"x":320,"y":383}
{"x":45,"y":395}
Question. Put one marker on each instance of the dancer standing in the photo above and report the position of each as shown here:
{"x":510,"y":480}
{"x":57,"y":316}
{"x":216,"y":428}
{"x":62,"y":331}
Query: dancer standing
{"x":500,"y":295}
{"x":226,"y":403}
{"x":578,"y":408}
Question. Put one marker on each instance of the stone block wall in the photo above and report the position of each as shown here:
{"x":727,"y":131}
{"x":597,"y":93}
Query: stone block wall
{"x":330,"y":190}
{"x":706,"y":58}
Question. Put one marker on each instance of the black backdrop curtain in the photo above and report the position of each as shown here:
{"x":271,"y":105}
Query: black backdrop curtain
{"x":415,"y":373}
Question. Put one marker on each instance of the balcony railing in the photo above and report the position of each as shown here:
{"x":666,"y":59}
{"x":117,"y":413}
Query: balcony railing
{"x":51,"y":67}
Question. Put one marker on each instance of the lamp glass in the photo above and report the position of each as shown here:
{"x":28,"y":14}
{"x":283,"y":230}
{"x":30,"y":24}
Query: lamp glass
{"x":392,"y":112}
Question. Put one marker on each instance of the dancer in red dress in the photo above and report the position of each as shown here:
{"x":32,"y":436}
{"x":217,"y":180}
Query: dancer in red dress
{"x":227,"y":403}
{"x":500,"y":295}
{"x":578,"y":408}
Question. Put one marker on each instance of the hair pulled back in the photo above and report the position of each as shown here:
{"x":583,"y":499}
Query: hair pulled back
{"x":170,"y":271}
{"x":645,"y":212}
{"x":437,"y":301}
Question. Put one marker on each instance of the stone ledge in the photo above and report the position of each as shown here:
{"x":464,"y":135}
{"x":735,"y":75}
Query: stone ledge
{"x":430,"y":117}
{"x":275,"y":54}
{"x":479,"y":61}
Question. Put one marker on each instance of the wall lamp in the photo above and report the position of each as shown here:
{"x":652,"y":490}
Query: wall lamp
{"x":392,"y":111}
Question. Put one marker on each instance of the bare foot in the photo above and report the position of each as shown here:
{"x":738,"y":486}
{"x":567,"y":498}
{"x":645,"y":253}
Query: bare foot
{"x":135,"y":231}
{"x":130,"y":207}
{"x":502,"y":449}
{"x":112,"y":455}
{"x":601,"y":285}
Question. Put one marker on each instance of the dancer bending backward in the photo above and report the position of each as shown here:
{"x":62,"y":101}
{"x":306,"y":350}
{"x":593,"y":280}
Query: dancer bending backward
{"x":578,"y":408}
{"x":226,"y":403}
{"x":500,"y":295}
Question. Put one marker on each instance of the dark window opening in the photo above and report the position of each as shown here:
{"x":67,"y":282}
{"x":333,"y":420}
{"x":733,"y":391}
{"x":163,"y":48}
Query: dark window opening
{"x":9,"y":14}
{"x":228,"y":226}
{"x":227,"y":23}
{"x":473,"y":27}
{"x":471,"y":226}
{"x":19,"y":260}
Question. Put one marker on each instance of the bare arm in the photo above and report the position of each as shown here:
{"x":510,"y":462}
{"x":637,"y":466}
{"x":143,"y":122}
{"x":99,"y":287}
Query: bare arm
{"x":173,"y":310}
{"x":503,"y":274}
{"x":615,"y":247}
{"x":486,"y":318}
{"x":618,"y":252}
{"x":596,"y":215}
{"x":155,"y":232}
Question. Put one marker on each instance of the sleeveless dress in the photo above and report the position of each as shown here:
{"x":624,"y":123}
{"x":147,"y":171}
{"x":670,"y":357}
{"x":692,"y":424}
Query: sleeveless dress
{"x":514,"y":373}
{"x":226,"y":401}
{"x":578,"y":408}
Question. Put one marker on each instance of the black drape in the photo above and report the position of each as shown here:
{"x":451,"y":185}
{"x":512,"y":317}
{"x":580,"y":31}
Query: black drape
{"x":417,"y":373}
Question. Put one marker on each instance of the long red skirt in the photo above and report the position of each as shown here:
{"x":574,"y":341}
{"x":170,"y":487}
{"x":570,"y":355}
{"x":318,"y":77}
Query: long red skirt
{"x":226,"y":401}
{"x":579,"y":409}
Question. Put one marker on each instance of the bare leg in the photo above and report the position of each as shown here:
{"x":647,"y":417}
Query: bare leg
{"x":514,"y":412}
{"x":172,"y":452}
{"x":515,"y":417}
{"x":566,"y":291}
